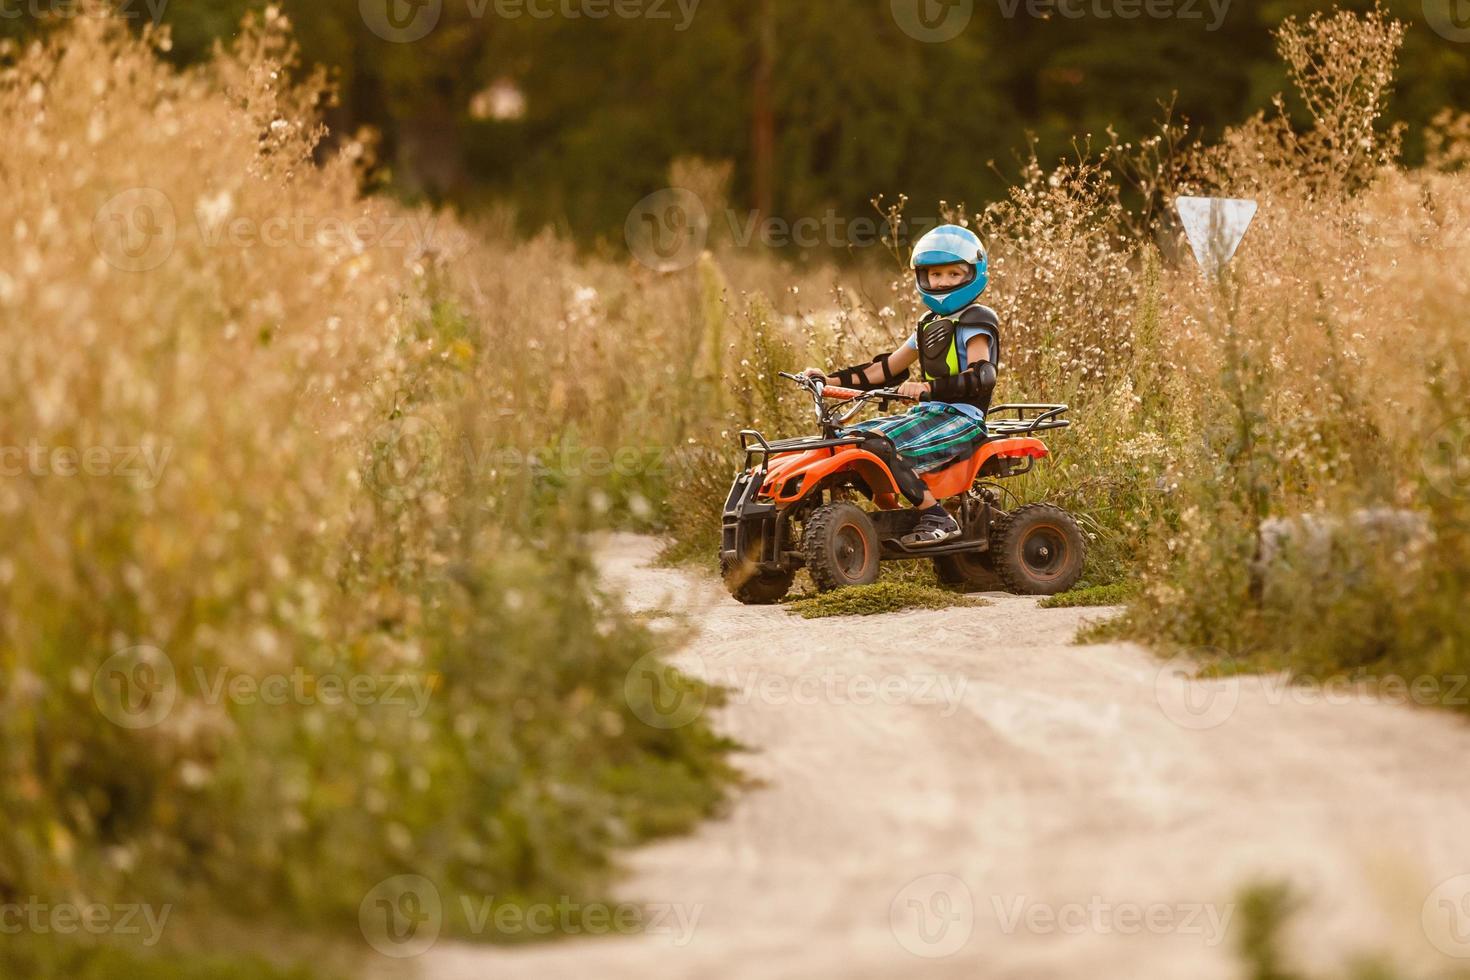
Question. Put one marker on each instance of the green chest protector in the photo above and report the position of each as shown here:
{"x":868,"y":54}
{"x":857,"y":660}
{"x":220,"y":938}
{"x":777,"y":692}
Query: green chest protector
{"x":939,"y":357}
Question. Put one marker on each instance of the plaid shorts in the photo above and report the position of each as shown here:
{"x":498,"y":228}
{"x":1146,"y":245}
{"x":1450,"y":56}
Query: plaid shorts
{"x":930,"y":435}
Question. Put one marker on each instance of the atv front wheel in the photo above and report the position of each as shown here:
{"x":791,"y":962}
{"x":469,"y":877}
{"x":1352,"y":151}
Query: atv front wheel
{"x":841,"y":546}
{"x":748,"y":584}
{"x":1039,"y":550}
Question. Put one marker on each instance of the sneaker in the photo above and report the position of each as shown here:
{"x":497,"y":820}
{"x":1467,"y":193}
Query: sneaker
{"x":932,"y":529}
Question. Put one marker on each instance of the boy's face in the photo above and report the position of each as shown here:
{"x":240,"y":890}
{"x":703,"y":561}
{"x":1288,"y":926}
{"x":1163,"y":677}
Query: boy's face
{"x":942,"y":277}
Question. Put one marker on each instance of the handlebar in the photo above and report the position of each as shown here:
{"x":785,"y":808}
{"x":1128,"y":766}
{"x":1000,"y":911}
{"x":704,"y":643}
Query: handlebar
{"x":844,"y":394}
{"x":829,"y":420}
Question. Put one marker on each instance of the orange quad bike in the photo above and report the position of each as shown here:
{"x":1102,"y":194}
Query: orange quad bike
{"x":794,"y":504}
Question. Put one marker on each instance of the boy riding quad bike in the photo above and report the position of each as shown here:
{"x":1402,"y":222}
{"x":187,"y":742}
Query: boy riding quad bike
{"x":793,"y":503}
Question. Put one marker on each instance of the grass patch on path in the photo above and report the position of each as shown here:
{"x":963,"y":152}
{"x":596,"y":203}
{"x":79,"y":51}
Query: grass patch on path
{"x":880,"y":597}
{"x":1112,"y":594}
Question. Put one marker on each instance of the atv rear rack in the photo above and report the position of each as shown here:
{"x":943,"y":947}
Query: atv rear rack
{"x":1046,"y":417}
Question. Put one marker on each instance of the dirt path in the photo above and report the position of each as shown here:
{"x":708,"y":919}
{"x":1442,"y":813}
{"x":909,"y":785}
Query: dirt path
{"x":964,"y":793}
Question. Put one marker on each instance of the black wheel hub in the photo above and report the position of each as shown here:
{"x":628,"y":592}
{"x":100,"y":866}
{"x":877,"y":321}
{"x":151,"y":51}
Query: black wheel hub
{"x":1044,"y":551}
{"x":849,"y":551}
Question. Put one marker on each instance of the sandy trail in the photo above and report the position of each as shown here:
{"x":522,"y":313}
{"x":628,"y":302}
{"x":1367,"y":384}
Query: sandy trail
{"x":965,"y":793}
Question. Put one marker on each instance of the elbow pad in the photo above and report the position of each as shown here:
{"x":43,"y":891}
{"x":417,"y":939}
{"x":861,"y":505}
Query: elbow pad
{"x":975,"y":385}
{"x":855,"y":376}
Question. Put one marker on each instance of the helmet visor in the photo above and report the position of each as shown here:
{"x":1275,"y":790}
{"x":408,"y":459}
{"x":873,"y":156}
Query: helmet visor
{"x":949,"y":285}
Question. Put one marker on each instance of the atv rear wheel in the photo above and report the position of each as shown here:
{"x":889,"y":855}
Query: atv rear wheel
{"x":752,"y":586}
{"x":841,"y":546}
{"x":973,"y":570}
{"x":1039,"y":550}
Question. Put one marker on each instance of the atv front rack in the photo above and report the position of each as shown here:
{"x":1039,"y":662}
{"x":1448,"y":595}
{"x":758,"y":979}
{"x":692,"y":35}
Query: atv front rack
{"x":753,"y":444}
{"x":1045,"y":417}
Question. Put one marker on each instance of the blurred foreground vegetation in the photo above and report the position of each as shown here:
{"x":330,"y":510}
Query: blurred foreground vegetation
{"x":295,"y":590}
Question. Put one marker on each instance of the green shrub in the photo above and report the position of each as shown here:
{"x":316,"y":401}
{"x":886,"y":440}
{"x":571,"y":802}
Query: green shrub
{"x":44,"y":957}
{"x":1266,"y":912}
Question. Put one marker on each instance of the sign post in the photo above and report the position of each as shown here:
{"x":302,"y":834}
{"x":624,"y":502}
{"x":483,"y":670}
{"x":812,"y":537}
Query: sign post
{"x":1214,"y":227}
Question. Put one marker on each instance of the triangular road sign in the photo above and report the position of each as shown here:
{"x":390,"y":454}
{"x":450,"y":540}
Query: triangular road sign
{"x":1214,"y":226}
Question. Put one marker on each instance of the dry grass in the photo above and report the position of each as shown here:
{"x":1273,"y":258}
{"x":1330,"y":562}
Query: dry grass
{"x":376,"y":457}
{"x":268,"y":448}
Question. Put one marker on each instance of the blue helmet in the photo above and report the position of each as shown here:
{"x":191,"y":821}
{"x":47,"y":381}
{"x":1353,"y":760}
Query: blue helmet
{"x":945,"y":245}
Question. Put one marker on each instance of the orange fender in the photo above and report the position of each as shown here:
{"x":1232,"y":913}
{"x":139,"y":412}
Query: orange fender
{"x":959,"y":476}
{"x":812,"y":466}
